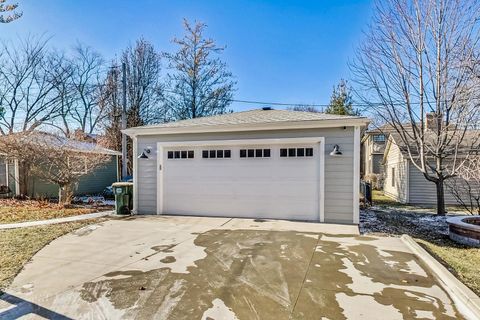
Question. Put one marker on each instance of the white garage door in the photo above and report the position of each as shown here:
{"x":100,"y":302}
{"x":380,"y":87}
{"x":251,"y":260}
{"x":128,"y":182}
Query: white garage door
{"x":255,"y":181}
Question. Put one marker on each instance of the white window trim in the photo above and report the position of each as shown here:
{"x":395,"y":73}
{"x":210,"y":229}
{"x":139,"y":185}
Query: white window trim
{"x":85,"y":171}
{"x":254,"y":157}
{"x":305,"y":140}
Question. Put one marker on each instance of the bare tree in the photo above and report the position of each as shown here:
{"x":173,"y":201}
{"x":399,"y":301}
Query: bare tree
{"x":65,"y":91}
{"x":111,"y":98}
{"x":8,"y":12}
{"x":55,"y":159}
{"x":465,"y":188}
{"x":417,"y":60}
{"x":143,"y":84}
{"x":27,"y":86}
{"x":305,"y":108}
{"x":199,"y":83}
{"x":86,"y":79}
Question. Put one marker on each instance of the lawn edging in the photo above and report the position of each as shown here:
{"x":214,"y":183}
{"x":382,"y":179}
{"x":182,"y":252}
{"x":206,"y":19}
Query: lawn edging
{"x":465,"y":299}
{"x":27,"y":224}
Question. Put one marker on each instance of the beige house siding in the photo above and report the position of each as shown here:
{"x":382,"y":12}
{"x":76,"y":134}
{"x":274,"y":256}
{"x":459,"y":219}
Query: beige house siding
{"x":339,"y":176}
{"x":396,"y":175}
{"x":410,"y":185}
{"x":424,"y":192}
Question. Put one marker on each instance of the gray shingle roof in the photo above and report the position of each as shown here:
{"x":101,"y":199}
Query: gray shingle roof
{"x":62,"y":142}
{"x":258,"y":116}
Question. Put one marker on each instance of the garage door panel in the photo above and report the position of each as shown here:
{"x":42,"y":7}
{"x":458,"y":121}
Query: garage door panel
{"x":237,"y":208}
{"x":274,"y":187}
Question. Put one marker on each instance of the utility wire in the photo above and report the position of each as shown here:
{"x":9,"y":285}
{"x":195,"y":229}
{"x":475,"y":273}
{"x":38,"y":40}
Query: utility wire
{"x":370,"y":104}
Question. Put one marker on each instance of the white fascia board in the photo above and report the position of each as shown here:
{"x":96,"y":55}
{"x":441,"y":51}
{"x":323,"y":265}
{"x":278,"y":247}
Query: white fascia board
{"x":247,"y":127}
{"x":253,"y":141}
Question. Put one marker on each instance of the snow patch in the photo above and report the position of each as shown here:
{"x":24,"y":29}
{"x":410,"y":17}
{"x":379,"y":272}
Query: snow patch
{"x":219,"y":311}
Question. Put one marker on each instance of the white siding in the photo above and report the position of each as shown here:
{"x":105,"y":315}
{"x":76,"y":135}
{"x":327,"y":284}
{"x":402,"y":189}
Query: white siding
{"x":338,"y":170}
{"x":396,"y":186}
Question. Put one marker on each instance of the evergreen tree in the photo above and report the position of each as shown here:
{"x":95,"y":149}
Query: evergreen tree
{"x":198,"y":83}
{"x":341,"y":102}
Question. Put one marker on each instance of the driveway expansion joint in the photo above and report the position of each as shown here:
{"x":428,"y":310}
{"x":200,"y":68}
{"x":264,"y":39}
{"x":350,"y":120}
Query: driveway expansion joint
{"x":306,"y":272}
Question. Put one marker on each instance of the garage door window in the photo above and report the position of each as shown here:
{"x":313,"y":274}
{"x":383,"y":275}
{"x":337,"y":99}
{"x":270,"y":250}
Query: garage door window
{"x":255,"y":153}
{"x":181,"y":154}
{"x":296,"y":152}
{"x":216,"y":154}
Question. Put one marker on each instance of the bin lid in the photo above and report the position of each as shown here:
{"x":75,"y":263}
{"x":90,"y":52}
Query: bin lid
{"x":122,"y":184}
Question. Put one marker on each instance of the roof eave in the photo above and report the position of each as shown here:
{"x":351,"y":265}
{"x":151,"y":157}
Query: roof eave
{"x":310,"y":124}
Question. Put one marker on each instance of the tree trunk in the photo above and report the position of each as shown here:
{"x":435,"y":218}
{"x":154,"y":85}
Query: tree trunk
{"x":65,"y":194}
{"x":440,"y":197}
{"x":24,"y":171}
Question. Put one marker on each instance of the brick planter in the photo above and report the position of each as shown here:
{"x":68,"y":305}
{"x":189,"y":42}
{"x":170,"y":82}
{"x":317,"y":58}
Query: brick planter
{"x":465,"y":230}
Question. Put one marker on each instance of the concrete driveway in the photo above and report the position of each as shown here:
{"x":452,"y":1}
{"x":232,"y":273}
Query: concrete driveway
{"x":220,"y":268}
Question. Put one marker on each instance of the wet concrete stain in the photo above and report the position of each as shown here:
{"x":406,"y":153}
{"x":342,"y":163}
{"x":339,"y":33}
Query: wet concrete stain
{"x":164,"y":248}
{"x":398,"y":287}
{"x":87,"y":230}
{"x":263,"y":275}
{"x":168,"y":259}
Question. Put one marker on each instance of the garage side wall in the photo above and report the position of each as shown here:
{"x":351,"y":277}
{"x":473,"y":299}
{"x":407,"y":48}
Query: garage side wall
{"x":338,"y":170}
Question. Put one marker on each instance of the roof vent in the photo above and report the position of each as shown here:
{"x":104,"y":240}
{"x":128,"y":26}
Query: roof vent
{"x":267,"y":108}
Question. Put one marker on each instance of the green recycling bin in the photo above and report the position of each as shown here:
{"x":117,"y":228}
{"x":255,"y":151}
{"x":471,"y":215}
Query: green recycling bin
{"x":123,"y":192}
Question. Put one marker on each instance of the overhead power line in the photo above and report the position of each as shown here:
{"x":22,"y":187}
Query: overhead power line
{"x":369,"y":104}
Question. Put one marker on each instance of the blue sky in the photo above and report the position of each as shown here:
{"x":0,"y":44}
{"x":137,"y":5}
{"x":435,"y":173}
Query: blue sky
{"x":285,"y":51}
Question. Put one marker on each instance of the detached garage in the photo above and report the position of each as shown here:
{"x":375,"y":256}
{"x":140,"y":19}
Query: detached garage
{"x":255,"y":164}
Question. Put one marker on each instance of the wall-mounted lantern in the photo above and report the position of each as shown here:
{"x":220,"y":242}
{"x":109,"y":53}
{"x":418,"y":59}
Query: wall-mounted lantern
{"x":336,"y":151}
{"x":144,"y":154}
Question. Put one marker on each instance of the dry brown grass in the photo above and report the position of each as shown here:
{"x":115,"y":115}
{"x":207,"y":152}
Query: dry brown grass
{"x":12,"y":211}
{"x":19,"y":246}
{"x":462,"y":261}
{"x":379,"y":199}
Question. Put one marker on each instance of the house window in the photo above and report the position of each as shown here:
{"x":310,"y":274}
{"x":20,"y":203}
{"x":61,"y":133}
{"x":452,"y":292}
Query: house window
{"x":216,"y":154}
{"x":296,"y":152}
{"x":379,"y":138}
{"x":393,"y":177}
{"x":181,"y":154}
{"x":254,"y":153}
{"x":78,"y":165}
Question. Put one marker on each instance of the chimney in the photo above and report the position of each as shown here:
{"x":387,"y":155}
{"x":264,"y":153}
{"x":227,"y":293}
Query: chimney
{"x":433,"y":121}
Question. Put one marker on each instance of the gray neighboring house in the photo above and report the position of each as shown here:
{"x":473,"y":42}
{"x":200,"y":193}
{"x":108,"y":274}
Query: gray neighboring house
{"x":255,"y":164}
{"x":92,"y":183}
{"x":372,"y":151}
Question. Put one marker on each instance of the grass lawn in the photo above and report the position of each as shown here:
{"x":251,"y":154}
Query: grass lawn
{"x":12,"y":211}
{"x":463,"y":262}
{"x":19,"y":245}
{"x":381,"y":200}
{"x":431,"y":232}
